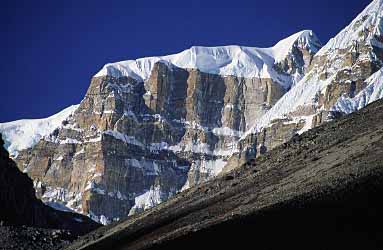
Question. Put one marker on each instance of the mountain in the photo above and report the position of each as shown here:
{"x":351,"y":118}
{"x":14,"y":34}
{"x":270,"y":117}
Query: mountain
{"x":148,"y":128}
{"x":20,"y":207}
{"x":339,"y":69}
{"x":320,"y":190}
{"x":344,"y":76}
{"x":152,"y":127}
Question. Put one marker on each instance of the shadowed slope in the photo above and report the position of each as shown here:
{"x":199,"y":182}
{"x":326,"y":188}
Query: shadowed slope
{"x":19,"y":205}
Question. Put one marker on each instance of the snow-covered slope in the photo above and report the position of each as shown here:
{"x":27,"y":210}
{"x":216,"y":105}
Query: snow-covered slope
{"x":373,"y":92}
{"x":304,"y":39}
{"x":24,"y":134}
{"x":363,"y":31}
{"x":225,"y":60}
{"x":370,"y":17}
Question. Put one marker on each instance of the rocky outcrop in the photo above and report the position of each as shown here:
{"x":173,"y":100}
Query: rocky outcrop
{"x":21,"y":207}
{"x":320,"y":190}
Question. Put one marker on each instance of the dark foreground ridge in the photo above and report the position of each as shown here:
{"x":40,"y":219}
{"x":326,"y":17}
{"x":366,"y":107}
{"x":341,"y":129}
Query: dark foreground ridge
{"x":25,"y":221}
{"x":321,"y":190}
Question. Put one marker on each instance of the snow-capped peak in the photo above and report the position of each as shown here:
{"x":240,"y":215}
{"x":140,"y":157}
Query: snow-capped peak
{"x":305,"y":39}
{"x":23,"y":134}
{"x":230,"y":60}
{"x":363,"y":28}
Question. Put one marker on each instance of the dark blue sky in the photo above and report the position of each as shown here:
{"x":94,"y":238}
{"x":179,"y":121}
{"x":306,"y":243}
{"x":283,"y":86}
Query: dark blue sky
{"x":51,"y":49}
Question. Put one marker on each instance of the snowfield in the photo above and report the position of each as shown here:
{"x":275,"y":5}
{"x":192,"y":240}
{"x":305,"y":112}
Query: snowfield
{"x":23,"y":134}
{"x":231,"y":60}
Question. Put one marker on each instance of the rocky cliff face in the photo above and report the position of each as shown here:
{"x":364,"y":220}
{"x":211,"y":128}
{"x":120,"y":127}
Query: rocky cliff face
{"x":137,"y":139}
{"x":19,"y":205}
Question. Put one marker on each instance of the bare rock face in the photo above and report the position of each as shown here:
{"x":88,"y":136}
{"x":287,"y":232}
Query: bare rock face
{"x":131,"y":145}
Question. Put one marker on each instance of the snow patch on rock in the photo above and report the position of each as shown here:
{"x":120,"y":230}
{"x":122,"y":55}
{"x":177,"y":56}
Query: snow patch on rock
{"x":149,"y":199}
{"x":373,"y":92}
{"x":62,"y":199}
{"x":125,"y":138}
